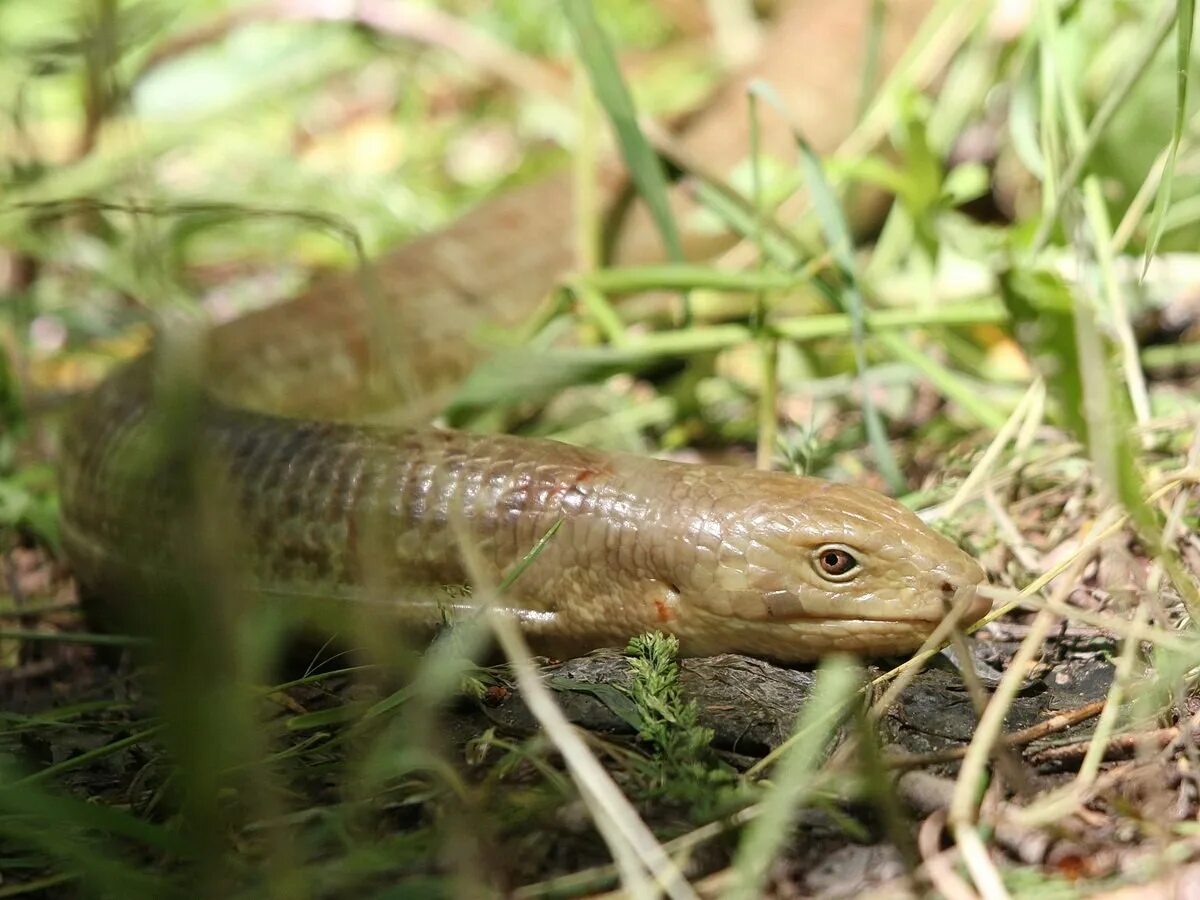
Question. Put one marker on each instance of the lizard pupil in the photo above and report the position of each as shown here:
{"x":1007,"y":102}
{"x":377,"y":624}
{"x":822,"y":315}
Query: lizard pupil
{"x":837,"y":562}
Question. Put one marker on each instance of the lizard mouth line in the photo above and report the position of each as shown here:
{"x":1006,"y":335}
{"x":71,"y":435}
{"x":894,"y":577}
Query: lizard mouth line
{"x":973,"y":610}
{"x":862,"y":620}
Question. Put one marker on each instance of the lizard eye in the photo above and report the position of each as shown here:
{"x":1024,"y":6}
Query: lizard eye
{"x":834,"y":562}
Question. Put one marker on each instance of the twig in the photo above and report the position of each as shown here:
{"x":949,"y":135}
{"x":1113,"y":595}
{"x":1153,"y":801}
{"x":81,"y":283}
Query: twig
{"x":1056,"y":723}
{"x":937,"y":861}
{"x":926,"y":794}
{"x":1121,"y":746}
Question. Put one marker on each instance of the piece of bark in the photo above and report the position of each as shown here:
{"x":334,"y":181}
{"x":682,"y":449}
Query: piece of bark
{"x":750,"y":705}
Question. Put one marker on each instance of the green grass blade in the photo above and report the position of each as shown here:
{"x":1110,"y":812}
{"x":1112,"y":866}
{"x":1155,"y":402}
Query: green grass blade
{"x":1111,"y":301}
{"x":610,"y":89}
{"x":91,"y":756}
{"x":1050,"y":133}
{"x":596,"y":307}
{"x":84,"y":839}
{"x":527,"y":375}
{"x":850,"y":299}
{"x":837,"y":684}
{"x":527,"y":560}
{"x":739,"y":217}
{"x":1185,"y":19}
{"x":686,"y":276}
{"x":768,"y":343}
{"x":73,"y":637}
{"x":27,"y":802}
{"x":37,"y":886}
{"x":876,"y":25}
{"x":1113,"y":101}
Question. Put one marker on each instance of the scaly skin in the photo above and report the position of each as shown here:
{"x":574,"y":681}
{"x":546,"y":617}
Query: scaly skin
{"x":722,"y":557}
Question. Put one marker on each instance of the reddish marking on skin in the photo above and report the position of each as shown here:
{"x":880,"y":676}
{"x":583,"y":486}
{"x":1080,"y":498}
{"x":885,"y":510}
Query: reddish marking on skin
{"x":665,"y":613}
{"x":563,"y":488}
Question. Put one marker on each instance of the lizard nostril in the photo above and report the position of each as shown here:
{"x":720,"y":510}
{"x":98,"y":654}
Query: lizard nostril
{"x":947,"y":587}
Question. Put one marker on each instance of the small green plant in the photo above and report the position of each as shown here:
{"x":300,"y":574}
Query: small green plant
{"x":685,"y":769}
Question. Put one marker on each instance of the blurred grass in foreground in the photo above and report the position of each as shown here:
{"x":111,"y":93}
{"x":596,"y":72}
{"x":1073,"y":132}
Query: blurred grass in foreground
{"x":1000,"y":302}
